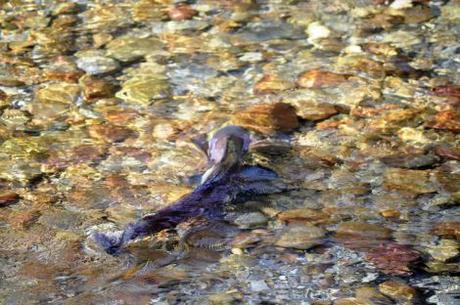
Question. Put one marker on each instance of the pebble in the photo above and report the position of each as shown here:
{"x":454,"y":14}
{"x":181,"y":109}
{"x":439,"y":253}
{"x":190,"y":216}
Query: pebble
{"x":97,"y":64}
{"x":7,"y":198}
{"x":316,"y":79}
{"x":300,"y":236}
{"x":251,"y":220}
{"x":398,"y":290}
{"x":258,"y":286}
{"x":268,"y":118}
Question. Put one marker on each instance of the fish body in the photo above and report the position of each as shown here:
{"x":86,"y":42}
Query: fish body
{"x":228,"y":180}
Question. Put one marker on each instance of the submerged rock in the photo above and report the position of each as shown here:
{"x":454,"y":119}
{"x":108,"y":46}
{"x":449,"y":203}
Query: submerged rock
{"x":300,"y":236}
{"x":412,"y":181}
{"x":129,"y":48}
{"x":394,"y":259}
{"x":94,"y":63}
{"x":315,"y":79}
{"x":268,"y":118}
{"x":7,"y":198}
{"x":181,"y":12}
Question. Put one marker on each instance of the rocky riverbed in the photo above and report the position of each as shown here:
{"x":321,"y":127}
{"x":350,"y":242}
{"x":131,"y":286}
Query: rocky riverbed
{"x":356,"y":103}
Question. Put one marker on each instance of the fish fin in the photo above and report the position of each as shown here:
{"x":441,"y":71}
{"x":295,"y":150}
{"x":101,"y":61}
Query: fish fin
{"x":257,"y":173}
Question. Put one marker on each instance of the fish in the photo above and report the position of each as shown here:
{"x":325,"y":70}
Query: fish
{"x":228,"y":180}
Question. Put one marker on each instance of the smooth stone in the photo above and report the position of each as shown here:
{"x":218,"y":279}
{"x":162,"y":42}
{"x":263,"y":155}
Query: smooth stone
{"x":96,"y":88}
{"x":304,"y":214}
{"x":144,"y":90}
{"x":251,"y":220}
{"x":398,"y":290}
{"x":61,"y":92}
{"x":444,"y":250}
{"x":315,"y":79}
{"x":268,"y":118}
{"x":8,"y":197}
{"x":412,"y":181}
{"x":258,"y":286}
{"x":97,"y":64}
{"x":363,"y":230}
{"x":300,"y":236}
{"x":130,"y":48}
{"x":181,"y":12}
{"x":272,"y":84}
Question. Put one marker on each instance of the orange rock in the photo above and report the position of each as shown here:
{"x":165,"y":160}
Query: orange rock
{"x":446,"y":120}
{"x":363,"y":230}
{"x":315,"y":111}
{"x":268,"y":118}
{"x":23,"y":219}
{"x":182,"y":12}
{"x":7,"y":198}
{"x":96,"y":88}
{"x":448,"y":229}
{"x":304,"y":214}
{"x":67,"y":76}
{"x":271,"y":84}
{"x":320,"y":79}
{"x":111,"y":133}
{"x":411,"y":181}
{"x":3,"y":95}
{"x":390,"y":213}
{"x":121,"y":116}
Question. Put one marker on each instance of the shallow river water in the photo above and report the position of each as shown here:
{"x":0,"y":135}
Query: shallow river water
{"x":355,"y":104}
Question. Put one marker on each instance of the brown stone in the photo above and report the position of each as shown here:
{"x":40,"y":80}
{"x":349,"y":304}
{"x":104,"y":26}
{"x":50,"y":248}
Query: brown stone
{"x":393,"y":259}
{"x":411,"y":181}
{"x":304,"y":214}
{"x":42,"y":271}
{"x":7,"y":198}
{"x":67,"y":76}
{"x":96,"y":88}
{"x":320,"y":79}
{"x":271,"y":84}
{"x":64,"y":21}
{"x":23,"y":219}
{"x":134,"y":152}
{"x":447,"y":152}
{"x":182,"y":12}
{"x":84,"y":153}
{"x":3,"y":95}
{"x":268,"y":118}
{"x":121,"y":116}
{"x":363,"y":230}
{"x":390,"y":213}
{"x":447,"y":229}
{"x":361,"y":236}
{"x":349,"y":301}
{"x":249,"y":239}
{"x":300,"y":236}
{"x":398,"y":291}
{"x":111,"y":133}
{"x":446,"y":90}
{"x":418,"y":14}
{"x":446,"y":120}
{"x":370,"y":295}
{"x":314,"y":111}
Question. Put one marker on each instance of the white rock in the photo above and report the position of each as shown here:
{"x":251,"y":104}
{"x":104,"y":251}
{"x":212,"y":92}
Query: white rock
{"x":400,"y":4}
{"x":316,"y":31}
{"x":259,"y":286}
